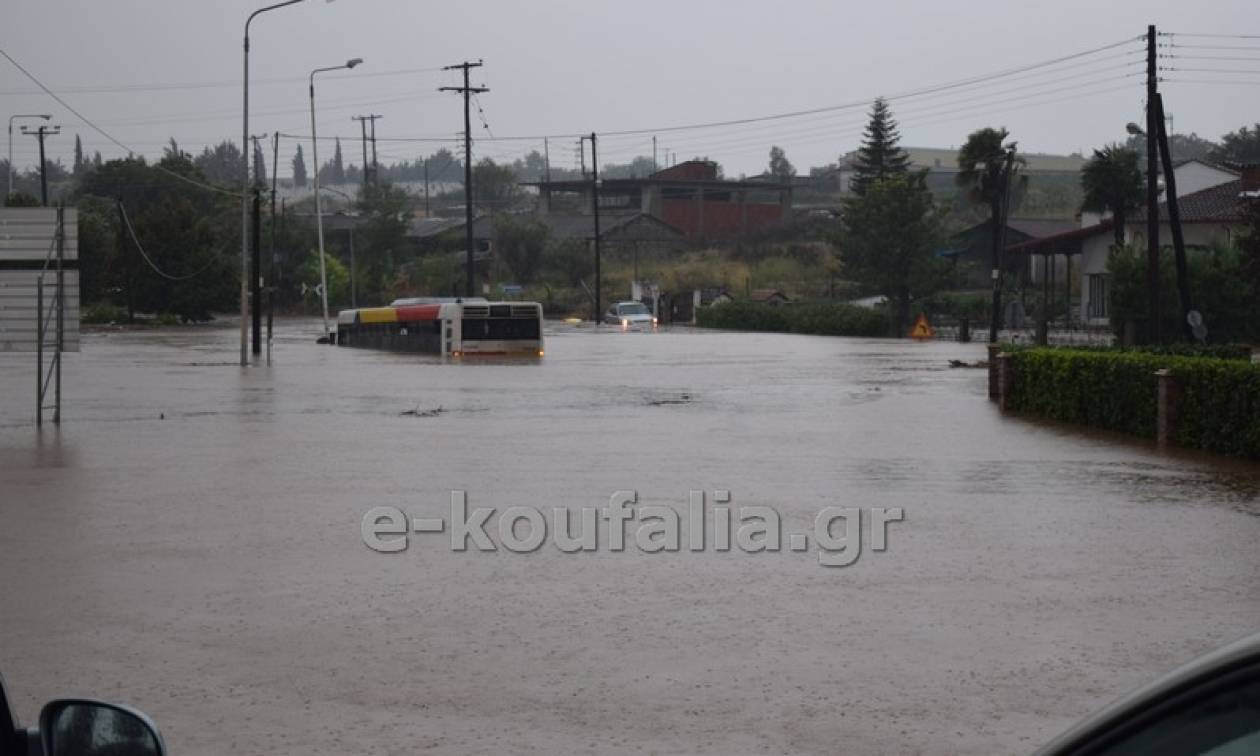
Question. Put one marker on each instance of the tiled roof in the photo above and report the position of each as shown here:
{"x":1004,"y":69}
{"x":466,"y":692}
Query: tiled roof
{"x":1216,"y":204}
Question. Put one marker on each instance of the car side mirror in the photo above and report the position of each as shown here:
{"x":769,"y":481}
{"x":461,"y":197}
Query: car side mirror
{"x":82,"y":727}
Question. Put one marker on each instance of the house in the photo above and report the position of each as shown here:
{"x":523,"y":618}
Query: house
{"x":689,"y":197}
{"x":1209,"y":216}
{"x":772,"y":297}
{"x":971,"y":249}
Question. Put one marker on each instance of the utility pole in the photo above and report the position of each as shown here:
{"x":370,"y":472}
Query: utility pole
{"x":468,"y":92}
{"x":256,"y":263}
{"x":595,"y":211}
{"x":363,"y":130}
{"x":1153,"y":127}
{"x":376,"y":168}
{"x":42,"y":133}
{"x":426,"y":187}
{"x":1174,"y":220}
{"x":999,"y":241}
{"x":271,"y":272}
{"x":654,"y":167}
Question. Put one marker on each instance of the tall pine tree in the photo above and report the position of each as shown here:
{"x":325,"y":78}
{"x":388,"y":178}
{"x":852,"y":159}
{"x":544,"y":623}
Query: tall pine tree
{"x":338,"y":167}
{"x":79,"y":165}
{"x":879,"y":157}
{"x":299,"y":168}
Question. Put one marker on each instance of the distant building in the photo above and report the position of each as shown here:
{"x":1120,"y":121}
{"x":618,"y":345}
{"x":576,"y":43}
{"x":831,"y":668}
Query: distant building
{"x":944,"y":162}
{"x":689,"y":197}
{"x":772,"y":297}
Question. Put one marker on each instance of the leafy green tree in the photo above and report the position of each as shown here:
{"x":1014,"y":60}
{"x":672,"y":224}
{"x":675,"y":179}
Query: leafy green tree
{"x":519,"y":244}
{"x":880,"y":155}
{"x":780,"y":167}
{"x":494,"y":185}
{"x":889,"y":241}
{"x":1242,"y":146}
{"x":335,"y":271}
{"x":299,"y":168}
{"x":1181,"y":146}
{"x":568,"y":261}
{"x":223,"y":164}
{"x":381,"y":239}
{"x":1112,"y":182}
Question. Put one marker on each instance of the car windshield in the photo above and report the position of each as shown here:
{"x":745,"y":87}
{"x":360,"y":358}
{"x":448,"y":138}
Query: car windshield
{"x":632,"y":308}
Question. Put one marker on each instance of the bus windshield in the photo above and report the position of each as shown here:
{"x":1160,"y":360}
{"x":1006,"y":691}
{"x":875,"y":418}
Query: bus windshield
{"x":499,"y":329}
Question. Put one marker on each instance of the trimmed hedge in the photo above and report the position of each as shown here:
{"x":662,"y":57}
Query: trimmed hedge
{"x":1118,"y":390}
{"x":821,"y":318}
{"x":1220,"y":406}
{"x":1215,"y":351}
{"x":1110,"y":390}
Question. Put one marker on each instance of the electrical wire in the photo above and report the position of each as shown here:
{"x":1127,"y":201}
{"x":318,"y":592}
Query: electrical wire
{"x":106,"y":134}
{"x":140,"y":247}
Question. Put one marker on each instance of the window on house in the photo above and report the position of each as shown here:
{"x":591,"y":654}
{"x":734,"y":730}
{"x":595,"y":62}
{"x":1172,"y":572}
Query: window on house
{"x":1097,"y":296}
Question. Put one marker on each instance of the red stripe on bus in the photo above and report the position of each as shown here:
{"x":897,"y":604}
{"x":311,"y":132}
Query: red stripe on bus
{"x":412,"y":313}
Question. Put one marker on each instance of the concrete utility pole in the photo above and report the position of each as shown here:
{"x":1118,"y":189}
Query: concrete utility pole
{"x":256,"y":282}
{"x":1153,"y":335}
{"x":363,"y":122}
{"x":41,"y":134}
{"x":468,"y":92}
{"x":363,"y":140}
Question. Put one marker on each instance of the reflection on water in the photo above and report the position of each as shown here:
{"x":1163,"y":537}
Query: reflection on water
{"x":194,"y":527}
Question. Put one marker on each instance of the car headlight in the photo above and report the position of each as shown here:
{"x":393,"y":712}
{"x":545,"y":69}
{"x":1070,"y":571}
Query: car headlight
{"x":624,"y":322}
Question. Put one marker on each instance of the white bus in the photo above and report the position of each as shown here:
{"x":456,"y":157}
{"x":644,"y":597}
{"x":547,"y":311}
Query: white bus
{"x":450,"y":327}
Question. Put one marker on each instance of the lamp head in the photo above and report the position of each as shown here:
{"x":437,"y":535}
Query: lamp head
{"x":353,"y":62}
{"x":1134,"y":129}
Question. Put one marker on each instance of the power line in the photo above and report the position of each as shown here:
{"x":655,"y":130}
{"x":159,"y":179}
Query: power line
{"x":106,"y":134}
{"x":122,"y":209}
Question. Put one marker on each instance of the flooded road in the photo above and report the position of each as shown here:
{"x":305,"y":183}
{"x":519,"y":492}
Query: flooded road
{"x":189,"y":542}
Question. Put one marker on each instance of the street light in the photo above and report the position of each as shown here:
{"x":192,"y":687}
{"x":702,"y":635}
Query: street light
{"x":319,"y":214}
{"x":245,"y":181}
{"x":11,"y":171}
{"x":1134,"y":129}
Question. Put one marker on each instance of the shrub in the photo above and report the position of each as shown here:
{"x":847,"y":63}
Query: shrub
{"x":1214,"y":351}
{"x":1110,"y":390}
{"x":103,"y":314}
{"x":821,"y":318}
{"x":1220,"y":406}
{"x":1118,"y":390}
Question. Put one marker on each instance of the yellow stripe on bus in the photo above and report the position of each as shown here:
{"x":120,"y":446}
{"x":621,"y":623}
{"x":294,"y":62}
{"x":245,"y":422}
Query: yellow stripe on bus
{"x":378,"y":315}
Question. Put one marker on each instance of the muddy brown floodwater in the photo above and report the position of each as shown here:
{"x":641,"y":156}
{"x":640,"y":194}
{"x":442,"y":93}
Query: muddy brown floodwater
{"x":189,"y":542}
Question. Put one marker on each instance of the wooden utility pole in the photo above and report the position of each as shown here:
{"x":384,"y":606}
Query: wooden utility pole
{"x":1174,"y":220}
{"x":369,"y":174}
{"x":468,"y":91}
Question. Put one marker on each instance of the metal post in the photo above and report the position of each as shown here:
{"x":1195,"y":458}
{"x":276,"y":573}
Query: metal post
{"x":354,"y":300}
{"x":61,"y":306}
{"x":271,"y":273}
{"x":39,"y":349}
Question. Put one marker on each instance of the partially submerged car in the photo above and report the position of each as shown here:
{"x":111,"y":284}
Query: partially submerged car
{"x":630,"y":315}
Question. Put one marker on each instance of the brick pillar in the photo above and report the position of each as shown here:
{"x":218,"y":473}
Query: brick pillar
{"x":1006,"y":380}
{"x":1168,"y":409}
{"x":994,"y":350}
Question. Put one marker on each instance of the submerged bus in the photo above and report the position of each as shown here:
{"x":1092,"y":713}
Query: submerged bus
{"x":450,"y":327}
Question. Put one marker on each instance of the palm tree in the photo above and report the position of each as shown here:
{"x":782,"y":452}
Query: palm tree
{"x":986,"y":166}
{"x":1112,"y":181}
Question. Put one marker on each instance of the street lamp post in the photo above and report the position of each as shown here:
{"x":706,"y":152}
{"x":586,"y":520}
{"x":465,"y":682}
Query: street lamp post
{"x":28,"y":115}
{"x":319,"y":214}
{"x":245,"y":194}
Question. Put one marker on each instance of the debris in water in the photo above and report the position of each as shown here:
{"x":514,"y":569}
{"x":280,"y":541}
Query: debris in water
{"x":961,"y":364}
{"x":417,"y":412}
{"x":683,"y":398}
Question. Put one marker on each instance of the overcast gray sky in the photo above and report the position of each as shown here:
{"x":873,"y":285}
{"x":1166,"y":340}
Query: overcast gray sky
{"x":146,"y":71}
